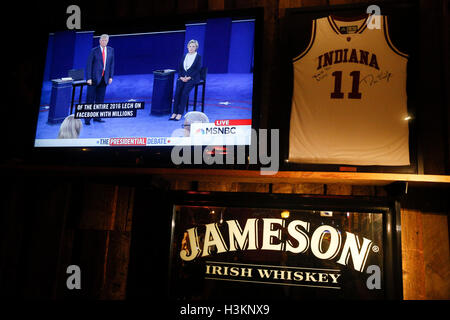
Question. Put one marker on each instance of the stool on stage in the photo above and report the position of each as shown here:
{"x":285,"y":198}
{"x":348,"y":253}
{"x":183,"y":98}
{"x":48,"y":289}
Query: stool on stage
{"x":202,"y":82}
{"x":77,"y":76}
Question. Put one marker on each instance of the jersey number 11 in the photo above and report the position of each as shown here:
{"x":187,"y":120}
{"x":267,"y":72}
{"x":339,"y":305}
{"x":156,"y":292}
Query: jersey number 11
{"x":338,"y":94}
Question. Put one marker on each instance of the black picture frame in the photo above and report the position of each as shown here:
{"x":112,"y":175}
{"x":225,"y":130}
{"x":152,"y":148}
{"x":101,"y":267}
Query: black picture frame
{"x":163,"y":224}
{"x":404,"y":35}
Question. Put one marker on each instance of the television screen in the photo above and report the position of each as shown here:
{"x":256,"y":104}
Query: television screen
{"x":188,"y":85}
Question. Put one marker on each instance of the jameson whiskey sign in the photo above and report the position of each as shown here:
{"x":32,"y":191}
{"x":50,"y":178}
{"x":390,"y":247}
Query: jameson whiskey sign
{"x":222,"y":252}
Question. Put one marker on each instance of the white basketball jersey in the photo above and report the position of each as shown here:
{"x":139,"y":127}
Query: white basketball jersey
{"x":349,"y":97}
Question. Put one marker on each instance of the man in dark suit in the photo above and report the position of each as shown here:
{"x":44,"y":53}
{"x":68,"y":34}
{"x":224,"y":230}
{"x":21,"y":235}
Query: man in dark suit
{"x":99,"y":72}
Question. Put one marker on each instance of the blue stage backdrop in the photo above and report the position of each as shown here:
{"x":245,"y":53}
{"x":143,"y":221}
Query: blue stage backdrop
{"x":195,"y":31}
{"x":59,"y":60}
{"x":241,"y":46}
{"x":146,"y":52}
{"x":83,"y":45}
{"x":63,"y":53}
{"x":225,"y":47}
{"x":48,"y":57}
{"x":217,"y":45}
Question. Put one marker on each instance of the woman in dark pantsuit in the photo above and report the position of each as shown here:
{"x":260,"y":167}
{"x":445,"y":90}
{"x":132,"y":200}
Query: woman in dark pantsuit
{"x":188,"y":76}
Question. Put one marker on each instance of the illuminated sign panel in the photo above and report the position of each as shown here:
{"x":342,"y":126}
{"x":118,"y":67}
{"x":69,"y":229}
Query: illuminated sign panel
{"x":237,"y":252}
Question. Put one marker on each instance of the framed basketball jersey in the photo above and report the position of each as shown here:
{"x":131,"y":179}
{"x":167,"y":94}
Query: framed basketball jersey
{"x":349,"y":102}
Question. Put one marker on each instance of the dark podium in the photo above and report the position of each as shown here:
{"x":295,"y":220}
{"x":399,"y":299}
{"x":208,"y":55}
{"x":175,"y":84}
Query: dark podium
{"x":60,"y":100}
{"x":162,"y":92}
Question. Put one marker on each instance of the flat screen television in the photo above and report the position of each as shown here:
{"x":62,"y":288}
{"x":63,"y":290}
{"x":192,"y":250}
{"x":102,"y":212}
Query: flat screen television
{"x":115,"y":107}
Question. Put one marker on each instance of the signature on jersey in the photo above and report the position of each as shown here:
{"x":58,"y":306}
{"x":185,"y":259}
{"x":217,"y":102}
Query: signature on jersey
{"x":321,"y":74}
{"x":372,"y":79}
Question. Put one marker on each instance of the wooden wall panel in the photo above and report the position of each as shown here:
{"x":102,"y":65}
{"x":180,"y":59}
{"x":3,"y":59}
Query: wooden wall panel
{"x":252,"y":187}
{"x":123,"y":9}
{"x":339,"y":189}
{"x":181,"y":185}
{"x":363,"y":191}
{"x":413,"y":266}
{"x":46,"y":205}
{"x":380,"y":191}
{"x":64,"y":260}
{"x":290,"y":3}
{"x":431,"y":119}
{"x":100,"y":243}
{"x":309,"y":188}
{"x":90,"y":254}
{"x":216,"y":4}
{"x":287,"y":4}
{"x":116,"y":266}
{"x":436,"y":256}
{"x":187,"y":6}
{"x":99,"y":207}
{"x":282,"y":188}
{"x":338,"y":2}
{"x":425,"y":255}
{"x":124,"y":209}
{"x":216,"y":186}
{"x":310,"y":3}
{"x":12,"y":236}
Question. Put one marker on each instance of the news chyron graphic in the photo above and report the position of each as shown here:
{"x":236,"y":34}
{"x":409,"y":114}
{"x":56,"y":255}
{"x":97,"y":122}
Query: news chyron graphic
{"x":236,"y":132}
{"x":115,"y":90}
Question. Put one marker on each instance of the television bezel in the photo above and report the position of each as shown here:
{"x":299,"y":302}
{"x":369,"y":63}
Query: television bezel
{"x":145,"y":156}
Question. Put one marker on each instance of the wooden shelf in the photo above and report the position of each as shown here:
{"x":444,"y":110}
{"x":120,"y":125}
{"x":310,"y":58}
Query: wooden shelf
{"x":250,"y":176}
{"x":354,"y":178}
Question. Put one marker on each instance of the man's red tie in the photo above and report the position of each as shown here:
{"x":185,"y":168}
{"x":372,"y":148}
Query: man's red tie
{"x":103,"y":55}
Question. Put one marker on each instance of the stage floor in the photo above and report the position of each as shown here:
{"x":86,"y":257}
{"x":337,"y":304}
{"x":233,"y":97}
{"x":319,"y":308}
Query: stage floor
{"x":227,"y":96}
